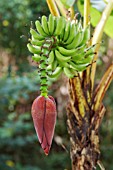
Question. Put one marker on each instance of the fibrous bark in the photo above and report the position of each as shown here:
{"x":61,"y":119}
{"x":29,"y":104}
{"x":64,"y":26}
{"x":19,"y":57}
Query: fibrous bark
{"x":83,"y":128}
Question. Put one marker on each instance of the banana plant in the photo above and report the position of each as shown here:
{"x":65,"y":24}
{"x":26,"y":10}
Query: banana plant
{"x":61,"y":43}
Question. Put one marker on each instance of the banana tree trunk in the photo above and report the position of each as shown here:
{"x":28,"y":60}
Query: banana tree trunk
{"x":85,"y":109}
{"x":83,"y":128}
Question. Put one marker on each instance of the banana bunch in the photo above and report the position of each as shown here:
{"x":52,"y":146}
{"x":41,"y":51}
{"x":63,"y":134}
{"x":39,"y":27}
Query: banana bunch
{"x":67,"y":49}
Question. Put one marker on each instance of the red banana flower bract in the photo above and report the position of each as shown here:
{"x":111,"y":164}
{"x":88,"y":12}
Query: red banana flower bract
{"x":44,"y":118}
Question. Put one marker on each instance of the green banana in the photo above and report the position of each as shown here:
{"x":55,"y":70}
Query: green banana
{"x":45,"y":24}
{"x":69,"y":72}
{"x":59,"y":25}
{"x":85,"y":60}
{"x":56,"y":73}
{"x":61,"y":57}
{"x":86,"y":35}
{"x":34,"y":50}
{"x":72,"y":34}
{"x":40,"y":29}
{"x":62,"y":35}
{"x":67,"y":31}
{"x":51,"y":57}
{"x":89,"y":51}
{"x":49,"y":67}
{"x":36,"y":58}
{"x":35,"y":35}
{"x":66,"y":52}
{"x":51,"y":24}
{"x":54,"y":64}
{"x":78,"y":57}
{"x":81,"y":48}
{"x":64,"y":64}
{"x":37,"y":42}
{"x":78,"y":67}
{"x":76,"y":41}
{"x":79,"y":52}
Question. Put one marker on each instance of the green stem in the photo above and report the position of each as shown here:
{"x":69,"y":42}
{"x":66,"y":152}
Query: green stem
{"x":43,"y":66}
{"x":43,"y":72}
{"x":43,"y":69}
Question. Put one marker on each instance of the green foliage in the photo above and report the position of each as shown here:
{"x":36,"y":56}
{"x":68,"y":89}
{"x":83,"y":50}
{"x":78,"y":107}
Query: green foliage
{"x":13,"y":90}
{"x":15,"y":23}
{"x":68,"y":3}
{"x":96,"y":10}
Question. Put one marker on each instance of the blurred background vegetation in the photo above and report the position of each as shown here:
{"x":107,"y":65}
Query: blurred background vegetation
{"x":19,"y":86}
